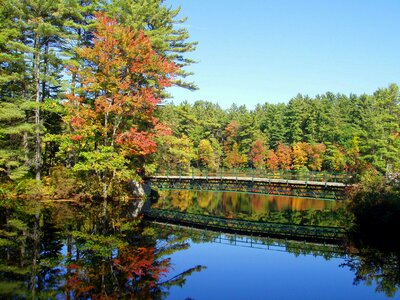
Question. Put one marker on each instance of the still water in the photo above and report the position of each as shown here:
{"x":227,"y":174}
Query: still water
{"x":70,"y":251}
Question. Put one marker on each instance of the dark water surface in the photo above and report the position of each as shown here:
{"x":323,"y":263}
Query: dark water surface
{"x":70,"y":251}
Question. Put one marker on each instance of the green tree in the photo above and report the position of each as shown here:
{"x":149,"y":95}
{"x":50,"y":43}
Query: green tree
{"x":174,"y":153}
{"x":294,"y":119}
{"x":43,"y":33}
{"x":163,"y":26}
{"x":272,"y":123}
{"x":14,"y":126}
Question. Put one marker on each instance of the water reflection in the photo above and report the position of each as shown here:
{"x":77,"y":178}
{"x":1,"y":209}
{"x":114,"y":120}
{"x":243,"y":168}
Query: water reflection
{"x":300,"y":211}
{"x":380,"y":267}
{"x":66,"y":251}
{"x":58,"y":251}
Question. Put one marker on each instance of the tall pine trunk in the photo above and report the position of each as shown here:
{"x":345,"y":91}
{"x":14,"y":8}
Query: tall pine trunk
{"x":36,"y":71}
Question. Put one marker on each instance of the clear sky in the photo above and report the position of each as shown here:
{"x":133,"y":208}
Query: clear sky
{"x":258,"y":51}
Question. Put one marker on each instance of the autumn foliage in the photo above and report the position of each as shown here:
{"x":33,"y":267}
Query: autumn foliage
{"x":233,"y":157}
{"x":284,"y":155}
{"x":118,"y":89}
{"x":272,"y":161}
{"x":258,"y":154}
{"x":137,"y":263}
{"x":110,"y":109}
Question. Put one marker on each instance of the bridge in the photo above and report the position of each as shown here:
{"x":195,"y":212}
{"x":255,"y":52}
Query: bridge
{"x":326,"y":249}
{"x":307,"y":184}
{"x":256,"y":228}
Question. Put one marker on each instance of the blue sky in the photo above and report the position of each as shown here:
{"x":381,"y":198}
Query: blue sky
{"x":259,"y":51}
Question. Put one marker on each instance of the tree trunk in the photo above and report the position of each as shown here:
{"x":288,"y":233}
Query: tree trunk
{"x":36,"y":251}
{"x":105,"y":194}
{"x":25,"y":146}
{"x":36,"y":71}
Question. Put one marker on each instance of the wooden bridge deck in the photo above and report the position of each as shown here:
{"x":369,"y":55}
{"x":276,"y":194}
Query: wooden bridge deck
{"x":257,"y":185}
{"x":251,"y":179}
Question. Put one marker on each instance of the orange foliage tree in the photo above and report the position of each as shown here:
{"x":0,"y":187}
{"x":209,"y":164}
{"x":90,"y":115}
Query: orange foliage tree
{"x":316,"y":158}
{"x":272,"y":161}
{"x":232,"y":132}
{"x":233,"y":158}
{"x":257,"y":154}
{"x":110,"y":111}
{"x":284,"y":154}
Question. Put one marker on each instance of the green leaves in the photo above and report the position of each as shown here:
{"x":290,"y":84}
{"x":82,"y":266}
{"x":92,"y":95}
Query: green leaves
{"x":103,"y":159}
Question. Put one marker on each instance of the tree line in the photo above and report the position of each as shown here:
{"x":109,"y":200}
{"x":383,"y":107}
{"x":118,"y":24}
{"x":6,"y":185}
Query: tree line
{"x":332,"y":132}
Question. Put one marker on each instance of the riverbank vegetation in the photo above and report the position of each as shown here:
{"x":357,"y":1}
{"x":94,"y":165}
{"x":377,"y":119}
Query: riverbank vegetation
{"x":81,"y":83}
{"x":376,"y":208}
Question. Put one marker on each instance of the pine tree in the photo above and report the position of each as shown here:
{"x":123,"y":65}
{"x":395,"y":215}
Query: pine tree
{"x":14,"y":126}
{"x":162,"y":25}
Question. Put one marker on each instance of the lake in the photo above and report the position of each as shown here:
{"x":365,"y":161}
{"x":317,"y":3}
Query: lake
{"x":70,"y":251}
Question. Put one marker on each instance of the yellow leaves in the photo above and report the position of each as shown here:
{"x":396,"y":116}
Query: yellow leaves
{"x":300,"y":155}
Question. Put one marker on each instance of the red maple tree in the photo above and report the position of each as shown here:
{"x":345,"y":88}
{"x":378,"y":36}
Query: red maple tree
{"x":110,"y":110}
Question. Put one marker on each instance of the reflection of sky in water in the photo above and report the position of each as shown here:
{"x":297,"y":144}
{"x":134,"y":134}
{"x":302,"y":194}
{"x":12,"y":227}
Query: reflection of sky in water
{"x":246,"y":273}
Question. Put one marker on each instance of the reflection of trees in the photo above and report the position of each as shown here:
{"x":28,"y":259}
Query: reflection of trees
{"x":117,"y":259}
{"x":377,"y":258}
{"x":372,"y":265}
{"x":257,"y":207}
{"x":132,"y":271}
{"x":123,"y":261}
{"x":29,"y":249}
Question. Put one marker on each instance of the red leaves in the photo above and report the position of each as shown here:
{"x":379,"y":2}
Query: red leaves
{"x":117,"y":90}
{"x":77,"y":121}
{"x":257,"y":154}
{"x":162,"y":129}
{"x":77,"y":281}
{"x":137,"y":143}
{"x":232,"y":130}
{"x":76,"y":137}
{"x":140,"y":262}
{"x":272,"y":161}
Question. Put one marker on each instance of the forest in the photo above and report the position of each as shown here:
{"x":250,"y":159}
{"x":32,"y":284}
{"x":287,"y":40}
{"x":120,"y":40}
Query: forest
{"x":331,"y":132}
{"x":83,"y":93}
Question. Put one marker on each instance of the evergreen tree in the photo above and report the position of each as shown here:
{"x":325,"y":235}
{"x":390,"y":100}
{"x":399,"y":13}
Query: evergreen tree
{"x":272,"y":123}
{"x":162,"y":25}
{"x":14,"y":92}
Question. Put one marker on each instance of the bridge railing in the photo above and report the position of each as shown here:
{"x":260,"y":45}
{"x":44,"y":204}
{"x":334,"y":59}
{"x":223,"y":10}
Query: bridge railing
{"x":303,"y":175}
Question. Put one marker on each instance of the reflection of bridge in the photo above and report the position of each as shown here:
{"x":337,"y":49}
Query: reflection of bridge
{"x":256,"y":228}
{"x":322,"y":185}
{"x":327,"y":249}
